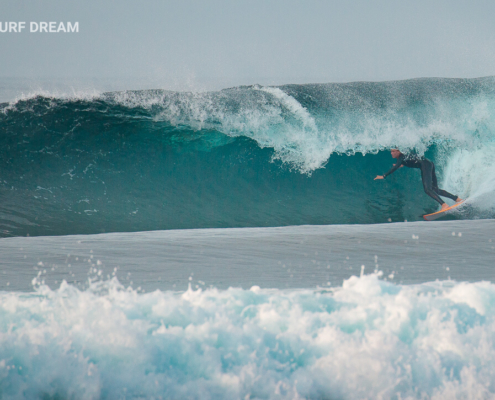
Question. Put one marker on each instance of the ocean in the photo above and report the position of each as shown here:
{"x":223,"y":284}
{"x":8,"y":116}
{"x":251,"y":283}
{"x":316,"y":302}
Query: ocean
{"x":233,"y":244}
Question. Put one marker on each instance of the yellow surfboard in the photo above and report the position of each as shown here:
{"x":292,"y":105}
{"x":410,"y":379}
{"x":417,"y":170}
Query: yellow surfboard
{"x":438,"y":214}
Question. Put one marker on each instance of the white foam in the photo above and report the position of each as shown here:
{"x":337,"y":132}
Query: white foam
{"x":277,"y":120}
{"x":366,"y":339}
{"x":471,"y":173}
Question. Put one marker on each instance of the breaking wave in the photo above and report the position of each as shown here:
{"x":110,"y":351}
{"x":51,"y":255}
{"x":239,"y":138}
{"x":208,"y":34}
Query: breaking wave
{"x":244,"y":156}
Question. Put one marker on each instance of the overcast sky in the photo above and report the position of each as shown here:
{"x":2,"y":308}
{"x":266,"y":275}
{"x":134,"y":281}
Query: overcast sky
{"x":193,"y":43}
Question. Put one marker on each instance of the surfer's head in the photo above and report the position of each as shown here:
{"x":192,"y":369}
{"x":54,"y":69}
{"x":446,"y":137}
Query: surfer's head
{"x":395,"y":153}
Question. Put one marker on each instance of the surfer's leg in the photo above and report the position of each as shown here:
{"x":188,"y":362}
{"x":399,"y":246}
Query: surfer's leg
{"x":427,"y":177}
{"x":439,"y":191}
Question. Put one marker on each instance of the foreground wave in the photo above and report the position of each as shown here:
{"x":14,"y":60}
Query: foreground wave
{"x":366,"y":339}
{"x":245,"y":156}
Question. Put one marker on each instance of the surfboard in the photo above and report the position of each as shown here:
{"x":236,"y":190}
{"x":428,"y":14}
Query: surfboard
{"x":438,"y":214}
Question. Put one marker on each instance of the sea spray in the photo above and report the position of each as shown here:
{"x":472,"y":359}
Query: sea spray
{"x":366,"y":339}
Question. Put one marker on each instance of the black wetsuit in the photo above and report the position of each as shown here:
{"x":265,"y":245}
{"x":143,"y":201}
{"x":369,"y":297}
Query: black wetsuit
{"x":427,"y":175}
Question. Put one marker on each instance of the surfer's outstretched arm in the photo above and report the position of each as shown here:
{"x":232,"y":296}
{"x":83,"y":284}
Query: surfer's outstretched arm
{"x":396,"y":166}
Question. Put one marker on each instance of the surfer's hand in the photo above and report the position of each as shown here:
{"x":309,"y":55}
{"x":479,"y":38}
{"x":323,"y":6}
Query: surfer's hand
{"x":379,"y":177}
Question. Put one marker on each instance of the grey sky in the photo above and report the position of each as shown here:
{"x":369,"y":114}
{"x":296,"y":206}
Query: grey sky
{"x":188,"y":43}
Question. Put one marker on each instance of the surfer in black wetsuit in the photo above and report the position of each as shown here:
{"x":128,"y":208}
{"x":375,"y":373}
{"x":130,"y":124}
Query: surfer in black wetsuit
{"x":427,"y":175}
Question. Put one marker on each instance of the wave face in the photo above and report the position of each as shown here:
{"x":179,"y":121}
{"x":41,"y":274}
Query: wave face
{"x":366,"y":339}
{"x":245,"y":156}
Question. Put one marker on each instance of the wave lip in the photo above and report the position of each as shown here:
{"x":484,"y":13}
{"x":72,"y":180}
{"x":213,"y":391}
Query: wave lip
{"x":366,"y":339}
{"x":305,"y":124}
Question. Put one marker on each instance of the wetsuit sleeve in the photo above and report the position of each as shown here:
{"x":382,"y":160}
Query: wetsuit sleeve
{"x":397,"y":165}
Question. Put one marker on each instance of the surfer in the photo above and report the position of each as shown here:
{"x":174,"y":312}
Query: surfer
{"x":427,"y":175}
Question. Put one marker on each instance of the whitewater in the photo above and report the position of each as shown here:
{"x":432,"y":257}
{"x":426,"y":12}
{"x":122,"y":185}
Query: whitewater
{"x":232,"y":244}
